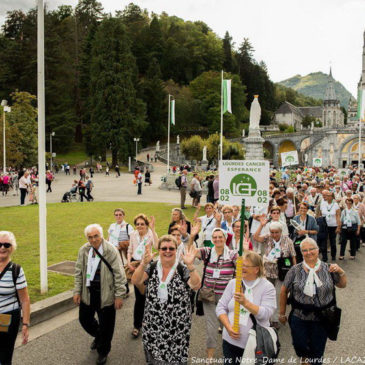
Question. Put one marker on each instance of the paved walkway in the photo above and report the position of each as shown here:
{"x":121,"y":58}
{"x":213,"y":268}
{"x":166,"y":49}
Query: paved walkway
{"x":110,"y":188}
{"x":62,"y":341}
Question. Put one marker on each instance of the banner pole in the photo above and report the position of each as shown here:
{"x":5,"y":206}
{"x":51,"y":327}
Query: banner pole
{"x":236,"y":318}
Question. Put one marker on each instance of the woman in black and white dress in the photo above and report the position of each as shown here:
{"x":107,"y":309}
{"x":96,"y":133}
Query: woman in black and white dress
{"x":14,"y":294}
{"x":167,"y":285}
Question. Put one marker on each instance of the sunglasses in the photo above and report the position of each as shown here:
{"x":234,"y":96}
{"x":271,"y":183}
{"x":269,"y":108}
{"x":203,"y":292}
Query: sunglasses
{"x":168,"y":249}
{"x":140,"y":224}
{"x":6,"y":245}
{"x":118,"y":215}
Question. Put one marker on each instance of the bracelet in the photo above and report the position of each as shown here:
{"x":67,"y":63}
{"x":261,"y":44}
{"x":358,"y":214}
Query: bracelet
{"x":282,"y":316}
{"x":26,"y":324}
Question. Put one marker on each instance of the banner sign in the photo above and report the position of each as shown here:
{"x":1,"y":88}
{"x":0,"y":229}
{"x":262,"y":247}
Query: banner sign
{"x":244,"y":179}
{"x":289,"y":158}
{"x":317,"y":162}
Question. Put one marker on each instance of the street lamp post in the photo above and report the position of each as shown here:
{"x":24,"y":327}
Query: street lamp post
{"x":50,"y":148}
{"x":136,"y":140}
{"x":6,"y":108}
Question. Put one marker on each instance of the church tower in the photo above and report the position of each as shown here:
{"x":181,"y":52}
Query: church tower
{"x":332,"y":114}
{"x":361,"y":84}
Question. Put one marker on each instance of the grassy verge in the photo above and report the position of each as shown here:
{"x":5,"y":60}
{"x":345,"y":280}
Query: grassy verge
{"x":73,"y":157}
{"x":65,"y":225}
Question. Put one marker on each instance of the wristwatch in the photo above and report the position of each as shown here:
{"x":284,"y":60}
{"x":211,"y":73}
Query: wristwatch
{"x":26,"y":324}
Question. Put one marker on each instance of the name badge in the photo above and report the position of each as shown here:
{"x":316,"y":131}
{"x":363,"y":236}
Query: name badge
{"x":216,"y":273}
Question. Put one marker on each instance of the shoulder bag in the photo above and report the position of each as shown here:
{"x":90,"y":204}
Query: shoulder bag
{"x":331,"y":316}
{"x":199,"y":301}
{"x":5,"y":319}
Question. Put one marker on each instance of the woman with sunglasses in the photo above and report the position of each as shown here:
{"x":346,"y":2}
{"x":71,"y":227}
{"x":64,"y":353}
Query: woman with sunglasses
{"x":119,"y":235}
{"x":143,"y":235}
{"x":311,"y":286}
{"x":167,"y":285}
{"x":219,"y":265}
{"x":258,"y":297}
{"x":14,"y":296}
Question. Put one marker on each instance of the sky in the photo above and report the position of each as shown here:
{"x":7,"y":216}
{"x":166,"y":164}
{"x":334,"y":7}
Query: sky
{"x":291,"y":36}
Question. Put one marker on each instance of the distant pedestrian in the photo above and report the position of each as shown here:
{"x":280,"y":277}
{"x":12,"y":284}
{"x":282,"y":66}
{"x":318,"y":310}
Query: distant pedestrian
{"x":49,"y":179}
{"x":148,"y":157}
{"x":183,"y":186}
{"x":99,"y":287}
{"x":117,"y":171}
{"x":6,"y":183}
{"x":147,"y":178}
{"x":23,"y":186}
{"x":107,"y":170}
{"x":74,"y":170}
{"x":82,"y":188}
{"x":91,"y":171}
{"x":67,"y":170}
{"x":210,"y":195}
{"x":216,"y":188}
{"x":89,"y":186}
{"x":139,"y":183}
{"x":196,"y":190}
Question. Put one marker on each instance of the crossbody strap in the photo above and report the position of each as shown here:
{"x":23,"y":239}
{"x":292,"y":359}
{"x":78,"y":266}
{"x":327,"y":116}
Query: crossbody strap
{"x":205,"y":266}
{"x":103,"y":259}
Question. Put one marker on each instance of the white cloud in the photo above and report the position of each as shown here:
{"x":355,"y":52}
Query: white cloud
{"x":291,"y":36}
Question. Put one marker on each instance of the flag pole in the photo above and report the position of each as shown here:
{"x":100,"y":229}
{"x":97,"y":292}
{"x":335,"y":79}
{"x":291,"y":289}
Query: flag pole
{"x":236,"y":318}
{"x":221,"y":139}
{"x":168,"y":137}
{"x":360,"y":144}
{"x":41,"y":152}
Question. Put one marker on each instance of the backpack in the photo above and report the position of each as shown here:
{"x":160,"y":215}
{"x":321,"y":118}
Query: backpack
{"x":180,"y":270}
{"x":178,"y":182}
{"x":263,"y":344}
{"x":15,"y":273}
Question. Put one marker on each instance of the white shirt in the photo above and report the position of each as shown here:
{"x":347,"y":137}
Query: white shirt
{"x":255,"y":223}
{"x":23,"y":182}
{"x":207,"y":229}
{"x":196,"y":184}
{"x":329,"y":211}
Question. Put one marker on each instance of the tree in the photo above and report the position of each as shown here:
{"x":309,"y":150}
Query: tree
{"x":21,"y":131}
{"x":227,"y":49}
{"x":154,"y":95}
{"x":192,"y":148}
{"x":117,"y":115}
{"x":207,"y":89}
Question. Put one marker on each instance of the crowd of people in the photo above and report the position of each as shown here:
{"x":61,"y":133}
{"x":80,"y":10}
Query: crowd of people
{"x":285,"y":262}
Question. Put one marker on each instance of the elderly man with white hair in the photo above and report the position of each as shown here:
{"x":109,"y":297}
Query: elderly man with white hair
{"x":99,"y":287}
{"x":279,"y":257}
{"x":314,"y":199}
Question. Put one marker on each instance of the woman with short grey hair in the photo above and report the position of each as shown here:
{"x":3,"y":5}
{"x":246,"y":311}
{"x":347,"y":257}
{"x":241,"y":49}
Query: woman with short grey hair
{"x":279,"y":256}
{"x":311,"y":287}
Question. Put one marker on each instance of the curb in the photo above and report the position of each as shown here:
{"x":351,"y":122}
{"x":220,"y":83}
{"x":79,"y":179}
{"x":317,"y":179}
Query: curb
{"x":50,"y":307}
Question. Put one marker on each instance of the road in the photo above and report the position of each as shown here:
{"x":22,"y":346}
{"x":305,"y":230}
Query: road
{"x":62,"y":341}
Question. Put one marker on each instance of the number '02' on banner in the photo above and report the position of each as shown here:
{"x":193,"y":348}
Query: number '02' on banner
{"x":244,"y":179}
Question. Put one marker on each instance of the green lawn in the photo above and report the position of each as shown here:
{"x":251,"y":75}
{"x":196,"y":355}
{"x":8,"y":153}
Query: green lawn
{"x":73,"y":157}
{"x":65,"y":226}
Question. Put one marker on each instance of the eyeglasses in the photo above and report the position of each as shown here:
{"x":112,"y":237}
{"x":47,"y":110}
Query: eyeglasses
{"x":276,"y":212}
{"x":140,"y":224}
{"x":6,"y":245}
{"x":168,"y":249}
{"x":309,"y":250}
{"x":118,"y":215}
{"x":92,"y":237}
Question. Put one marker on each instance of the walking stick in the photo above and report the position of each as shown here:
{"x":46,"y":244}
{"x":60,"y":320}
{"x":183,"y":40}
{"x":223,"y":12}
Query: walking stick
{"x":236,"y":320}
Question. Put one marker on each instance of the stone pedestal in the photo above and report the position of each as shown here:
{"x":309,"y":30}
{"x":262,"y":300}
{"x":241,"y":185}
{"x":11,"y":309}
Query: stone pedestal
{"x":204,"y":165}
{"x":254,"y":148}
